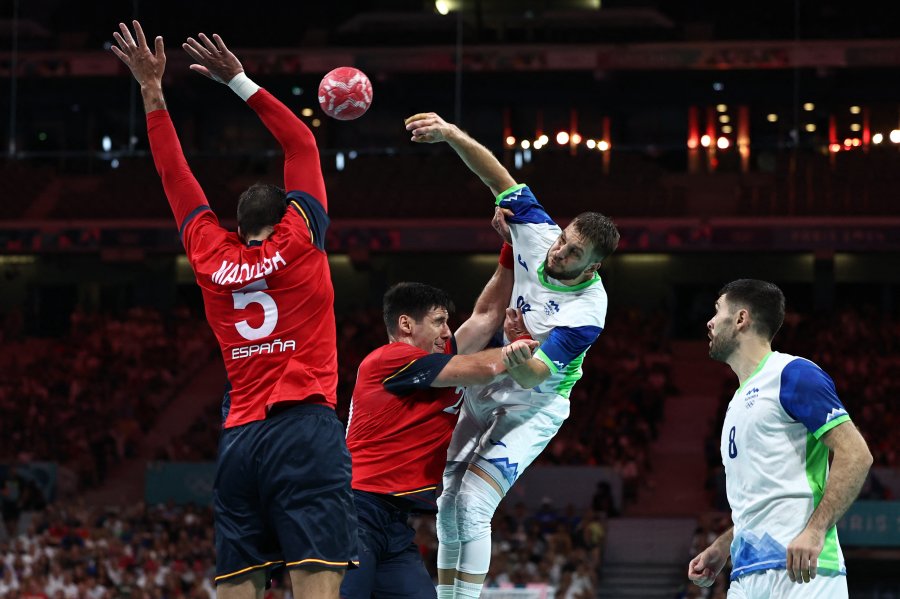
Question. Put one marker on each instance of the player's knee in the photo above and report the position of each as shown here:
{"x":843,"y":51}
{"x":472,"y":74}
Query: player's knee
{"x":447,"y":531}
{"x":475,"y":506}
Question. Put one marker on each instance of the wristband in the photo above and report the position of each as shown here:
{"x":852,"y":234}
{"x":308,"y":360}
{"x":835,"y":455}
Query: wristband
{"x":523,"y":336}
{"x":243,"y":86}
{"x":506,"y":256}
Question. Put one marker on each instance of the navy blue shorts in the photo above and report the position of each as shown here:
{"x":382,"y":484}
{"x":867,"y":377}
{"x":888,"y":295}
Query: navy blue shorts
{"x":390,"y":565}
{"x":282,"y":494}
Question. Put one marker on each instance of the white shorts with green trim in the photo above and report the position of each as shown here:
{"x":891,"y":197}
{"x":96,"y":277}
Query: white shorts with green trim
{"x":775,"y":584}
{"x":504,"y":438}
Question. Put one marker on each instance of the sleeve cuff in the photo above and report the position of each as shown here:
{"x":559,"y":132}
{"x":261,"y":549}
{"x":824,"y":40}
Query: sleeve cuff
{"x":830,"y":425}
{"x":506,"y":192}
{"x":540,"y":355}
{"x":243,"y":86}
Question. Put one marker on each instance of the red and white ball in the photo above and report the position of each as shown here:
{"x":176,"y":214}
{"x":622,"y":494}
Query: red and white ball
{"x":345,"y":93}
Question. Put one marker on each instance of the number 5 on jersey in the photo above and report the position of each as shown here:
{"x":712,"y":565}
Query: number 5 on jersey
{"x":254,"y":294}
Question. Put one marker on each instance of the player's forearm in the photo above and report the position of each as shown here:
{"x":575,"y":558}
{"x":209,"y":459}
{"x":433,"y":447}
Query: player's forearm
{"x":488,"y":314}
{"x":182,"y":189}
{"x":529,"y":374}
{"x":153,"y":97}
{"x":723,"y":541}
{"x":848,"y":473}
{"x":476,"y":369}
{"x":480,"y":161}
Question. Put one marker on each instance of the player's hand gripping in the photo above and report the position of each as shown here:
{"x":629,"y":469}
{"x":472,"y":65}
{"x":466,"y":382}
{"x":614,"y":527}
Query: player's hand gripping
{"x":214,"y":60}
{"x":803,"y":555}
{"x":500,"y":225}
{"x":514,"y":325}
{"x":704,"y":568}
{"x":429,"y":128}
{"x":146,"y":66}
{"x":518,"y":352}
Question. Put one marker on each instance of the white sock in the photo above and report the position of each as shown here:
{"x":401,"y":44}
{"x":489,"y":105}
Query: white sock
{"x":445,"y":591}
{"x":468,"y":590}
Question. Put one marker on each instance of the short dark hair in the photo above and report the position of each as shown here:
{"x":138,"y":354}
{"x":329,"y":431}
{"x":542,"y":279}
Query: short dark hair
{"x":600,"y":230}
{"x":261,"y":205}
{"x":764,"y":300}
{"x":414,"y":300}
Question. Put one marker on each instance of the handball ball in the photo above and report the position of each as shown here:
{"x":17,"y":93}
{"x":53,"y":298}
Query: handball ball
{"x":345,"y":93}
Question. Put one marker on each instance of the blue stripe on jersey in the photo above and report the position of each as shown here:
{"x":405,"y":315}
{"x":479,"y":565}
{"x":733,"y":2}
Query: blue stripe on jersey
{"x":314,"y":215}
{"x":567,"y":343}
{"x":199,"y":209}
{"x":808,"y":395}
{"x":525,"y":207}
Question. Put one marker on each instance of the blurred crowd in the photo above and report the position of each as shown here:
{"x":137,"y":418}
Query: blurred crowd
{"x":86,"y":399}
{"x":74,"y":551}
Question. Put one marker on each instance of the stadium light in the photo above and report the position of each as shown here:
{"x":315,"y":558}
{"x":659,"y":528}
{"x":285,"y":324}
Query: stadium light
{"x":562,"y":138}
{"x":591,"y":144}
{"x":339,"y":161}
{"x":603,"y":145}
{"x":809,"y":107}
{"x":307,"y":112}
{"x":726,"y":129}
{"x":442,"y":6}
{"x":721,"y":108}
{"x":705,"y":141}
{"x":723,"y":143}
{"x":525,"y":144}
{"x":855,"y":127}
{"x":855,"y":110}
{"x":724,"y":118}
{"x":810,"y":127}
{"x":510,"y":140}
{"x":835,"y":147}
{"x":543,"y":139}
{"x":316,"y":122}
{"x":576,"y":138}
{"x":106,"y":143}
{"x":895,"y":136}
{"x":772,"y":117}
{"x":877,"y":138}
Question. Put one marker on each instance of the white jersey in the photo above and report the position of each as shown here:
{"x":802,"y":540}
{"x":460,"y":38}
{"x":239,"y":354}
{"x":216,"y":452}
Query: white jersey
{"x":565,"y":320}
{"x":503,"y":427}
{"x":775,"y":464}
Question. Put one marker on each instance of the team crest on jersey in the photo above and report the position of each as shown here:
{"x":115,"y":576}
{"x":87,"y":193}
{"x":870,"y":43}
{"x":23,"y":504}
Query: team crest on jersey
{"x":551,"y":308}
{"x":750,"y":397}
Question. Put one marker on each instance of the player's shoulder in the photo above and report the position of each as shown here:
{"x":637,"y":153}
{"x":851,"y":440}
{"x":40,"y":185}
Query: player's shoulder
{"x":798,"y":368}
{"x":390,"y":356}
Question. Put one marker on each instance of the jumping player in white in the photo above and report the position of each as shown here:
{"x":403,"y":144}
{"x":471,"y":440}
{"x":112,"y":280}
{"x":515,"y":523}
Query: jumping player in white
{"x":780,"y":425}
{"x":503,"y":426}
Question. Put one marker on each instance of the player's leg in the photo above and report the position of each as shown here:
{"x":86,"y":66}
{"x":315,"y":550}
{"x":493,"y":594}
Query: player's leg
{"x":305,"y":488}
{"x":246,"y":548}
{"x":466,"y":435}
{"x":374,"y":524}
{"x":516,"y":437}
{"x":401,"y":572}
{"x":252,"y":586}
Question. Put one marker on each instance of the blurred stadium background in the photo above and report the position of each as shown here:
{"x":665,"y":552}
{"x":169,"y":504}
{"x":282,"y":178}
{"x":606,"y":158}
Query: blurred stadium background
{"x":727,"y":140}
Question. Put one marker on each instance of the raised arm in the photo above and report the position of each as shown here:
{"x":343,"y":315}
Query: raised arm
{"x":302,"y":169}
{"x":182,"y":190}
{"x":490,"y":308}
{"x":428,"y":127}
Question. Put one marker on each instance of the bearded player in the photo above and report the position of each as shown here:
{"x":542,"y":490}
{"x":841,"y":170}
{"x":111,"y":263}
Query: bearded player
{"x":504,"y":425}
{"x":282,"y":490}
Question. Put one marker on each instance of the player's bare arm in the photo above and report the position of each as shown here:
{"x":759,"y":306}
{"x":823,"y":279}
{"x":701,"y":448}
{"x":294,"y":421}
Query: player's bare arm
{"x":478,"y":369}
{"x":488,"y":313}
{"x":705,"y":567}
{"x":428,"y":127}
{"x":146,"y":65}
{"x":522,"y":367}
{"x":849,"y":468}
{"x":214,"y":59}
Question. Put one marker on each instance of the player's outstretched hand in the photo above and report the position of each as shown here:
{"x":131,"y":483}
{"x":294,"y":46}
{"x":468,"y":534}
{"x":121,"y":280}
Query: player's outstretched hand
{"x":146,"y":66}
{"x":519,"y":352}
{"x":704,"y":568}
{"x":803,"y":555}
{"x":429,"y":128}
{"x":214,"y":59}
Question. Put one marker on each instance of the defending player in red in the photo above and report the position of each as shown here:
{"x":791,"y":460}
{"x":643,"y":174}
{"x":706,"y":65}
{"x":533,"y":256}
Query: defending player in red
{"x":282,"y":492}
{"x":405,"y":406}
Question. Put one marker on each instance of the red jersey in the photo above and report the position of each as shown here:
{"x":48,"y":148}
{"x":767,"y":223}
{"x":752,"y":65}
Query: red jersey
{"x":270,"y":303}
{"x":400,"y":426}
